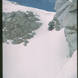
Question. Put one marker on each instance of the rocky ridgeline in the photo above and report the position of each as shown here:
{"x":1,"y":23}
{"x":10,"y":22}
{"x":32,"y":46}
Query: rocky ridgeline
{"x":66,"y":17}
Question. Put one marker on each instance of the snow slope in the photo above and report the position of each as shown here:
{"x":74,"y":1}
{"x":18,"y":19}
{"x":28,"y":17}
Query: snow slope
{"x":70,"y":68}
{"x":43,"y":57}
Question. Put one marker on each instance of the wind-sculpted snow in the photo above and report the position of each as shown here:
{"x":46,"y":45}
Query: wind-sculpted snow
{"x":44,"y":57}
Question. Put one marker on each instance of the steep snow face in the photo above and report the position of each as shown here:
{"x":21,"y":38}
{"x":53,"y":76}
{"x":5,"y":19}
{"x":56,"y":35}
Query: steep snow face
{"x":43,"y":57}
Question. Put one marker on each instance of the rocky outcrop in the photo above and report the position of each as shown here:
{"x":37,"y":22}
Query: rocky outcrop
{"x":66,"y":17}
{"x":19,"y":27}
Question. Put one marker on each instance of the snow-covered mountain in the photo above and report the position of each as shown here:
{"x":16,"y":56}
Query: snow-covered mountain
{"x":43,"y":57}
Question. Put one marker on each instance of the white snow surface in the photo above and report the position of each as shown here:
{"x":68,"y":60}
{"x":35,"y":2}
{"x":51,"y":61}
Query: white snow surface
{"x":70,"y":68}
{"x":44,"y":56}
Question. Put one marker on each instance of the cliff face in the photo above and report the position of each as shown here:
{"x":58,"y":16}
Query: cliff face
{"x":66,"y":17}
